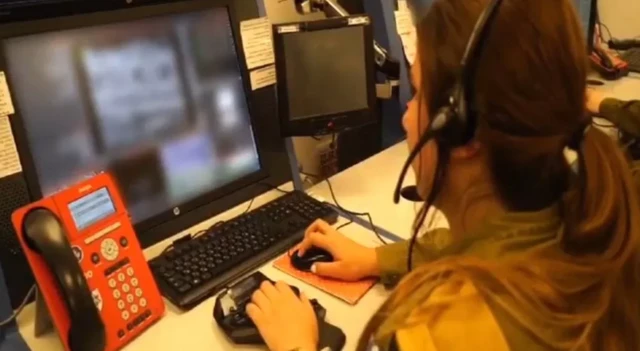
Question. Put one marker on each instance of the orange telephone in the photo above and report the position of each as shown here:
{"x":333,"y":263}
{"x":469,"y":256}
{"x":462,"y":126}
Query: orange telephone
{"x":89,"y":266}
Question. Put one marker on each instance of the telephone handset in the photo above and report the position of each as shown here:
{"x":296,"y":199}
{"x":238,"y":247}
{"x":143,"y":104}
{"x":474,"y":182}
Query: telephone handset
{"x":45,"y":234}
{"x":89,"y":266}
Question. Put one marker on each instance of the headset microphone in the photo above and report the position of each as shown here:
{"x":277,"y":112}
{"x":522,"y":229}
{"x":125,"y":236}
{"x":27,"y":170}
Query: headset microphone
{"x":439,"y":122}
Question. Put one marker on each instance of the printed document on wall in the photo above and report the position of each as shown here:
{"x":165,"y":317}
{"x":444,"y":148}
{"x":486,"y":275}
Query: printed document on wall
{"x":407,"y":32}
{"x":257,"y":42}
{"x":9,"y":159}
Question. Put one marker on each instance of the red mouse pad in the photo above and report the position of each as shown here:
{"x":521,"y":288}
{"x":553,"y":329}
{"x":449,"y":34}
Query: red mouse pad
{"x":350,"y":292}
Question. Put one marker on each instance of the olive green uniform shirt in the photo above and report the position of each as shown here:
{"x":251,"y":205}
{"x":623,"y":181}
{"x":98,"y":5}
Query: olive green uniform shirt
{"x":511,"y":234}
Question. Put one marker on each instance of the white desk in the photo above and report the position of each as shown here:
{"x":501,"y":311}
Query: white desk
{"x":367,"y":186}
{"x":627,"y":88}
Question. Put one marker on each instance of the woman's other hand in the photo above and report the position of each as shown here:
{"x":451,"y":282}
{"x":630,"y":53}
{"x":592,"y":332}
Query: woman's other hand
{"x":594,"y":100}
{"x":352,"y":261}
{"x":285,"y":321}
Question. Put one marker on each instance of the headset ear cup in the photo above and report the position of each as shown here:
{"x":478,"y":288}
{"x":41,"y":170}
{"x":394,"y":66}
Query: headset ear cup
{"x":448,"y":127}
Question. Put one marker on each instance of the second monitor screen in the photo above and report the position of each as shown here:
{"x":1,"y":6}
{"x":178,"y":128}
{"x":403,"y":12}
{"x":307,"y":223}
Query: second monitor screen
{"x":159,"y":102}
{"x":326,"y":72}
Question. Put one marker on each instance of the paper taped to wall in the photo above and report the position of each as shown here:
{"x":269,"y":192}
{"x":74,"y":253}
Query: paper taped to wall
{"x":6,"y":105}
{"x":9,"y":159}
{"x":263,"y":77}
{"x":407,"y":32}
{"x":402,"y":5}
{"x":257,"y":42}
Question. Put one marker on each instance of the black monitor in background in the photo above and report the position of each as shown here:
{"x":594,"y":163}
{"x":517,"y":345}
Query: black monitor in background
{"x":325,"y":72}
{"x":157,"y":95}
{"x":588,"y":13}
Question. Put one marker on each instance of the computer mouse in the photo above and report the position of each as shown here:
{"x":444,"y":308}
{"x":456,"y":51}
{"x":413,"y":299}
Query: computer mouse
{"x":310,"y":257}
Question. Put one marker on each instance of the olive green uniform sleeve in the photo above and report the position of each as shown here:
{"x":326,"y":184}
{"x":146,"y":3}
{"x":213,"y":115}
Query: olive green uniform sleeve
{"x":624,"y":114}
{"x":392,"y":258}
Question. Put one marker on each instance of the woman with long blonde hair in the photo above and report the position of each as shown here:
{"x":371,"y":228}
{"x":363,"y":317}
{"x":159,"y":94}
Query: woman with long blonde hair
{"x":539,"y":255}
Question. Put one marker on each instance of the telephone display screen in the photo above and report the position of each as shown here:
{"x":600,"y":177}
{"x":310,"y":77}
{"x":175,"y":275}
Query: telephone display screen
{"x":92,"y":208}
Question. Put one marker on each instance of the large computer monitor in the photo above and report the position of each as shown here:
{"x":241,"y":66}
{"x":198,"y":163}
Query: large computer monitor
{"x":156,"y":95}
{"x":588,"y":13}
{"x":326,"y":75}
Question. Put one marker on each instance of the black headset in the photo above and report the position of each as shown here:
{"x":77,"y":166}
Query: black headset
{"x":455,"y":124}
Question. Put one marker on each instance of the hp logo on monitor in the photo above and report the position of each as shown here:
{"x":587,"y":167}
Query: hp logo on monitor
{"x":176,"y":211}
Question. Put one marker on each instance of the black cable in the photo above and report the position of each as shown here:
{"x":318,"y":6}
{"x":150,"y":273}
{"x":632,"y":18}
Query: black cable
{"x":248,"y":207}
{"x":273,"y":187}
{"x":345,"y":224}
{"x":352,"y":213}
{"x":17,"y":312}
{"x":602,"y":25}
{"x":436,"y":187}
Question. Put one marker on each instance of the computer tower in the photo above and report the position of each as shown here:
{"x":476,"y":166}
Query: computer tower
{"x":13,"y":195}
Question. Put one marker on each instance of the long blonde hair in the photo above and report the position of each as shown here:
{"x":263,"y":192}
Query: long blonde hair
{"x":530,"y":96}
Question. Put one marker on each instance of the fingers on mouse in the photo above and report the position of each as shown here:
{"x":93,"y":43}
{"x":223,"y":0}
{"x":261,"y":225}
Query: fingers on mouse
{"x":312,"y":256}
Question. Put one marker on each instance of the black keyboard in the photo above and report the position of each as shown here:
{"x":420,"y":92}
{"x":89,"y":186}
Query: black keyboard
{"x":632,"y":56}
{"x":200,"y":267}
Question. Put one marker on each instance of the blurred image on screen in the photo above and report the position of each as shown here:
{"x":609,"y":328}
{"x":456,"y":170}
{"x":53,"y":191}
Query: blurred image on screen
{"x":158,"y":102}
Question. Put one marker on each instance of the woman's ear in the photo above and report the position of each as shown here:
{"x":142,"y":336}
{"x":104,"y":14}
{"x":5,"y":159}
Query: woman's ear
{"x":471,"y":150}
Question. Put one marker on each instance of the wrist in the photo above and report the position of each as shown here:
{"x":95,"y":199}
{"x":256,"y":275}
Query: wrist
{"x":373,"y":268}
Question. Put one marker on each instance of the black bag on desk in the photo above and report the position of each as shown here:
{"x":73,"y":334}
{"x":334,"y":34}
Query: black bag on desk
{"x":331,"y":337}
{"x":230,"y":315}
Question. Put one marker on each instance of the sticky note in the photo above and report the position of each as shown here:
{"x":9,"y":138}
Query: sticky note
{"x":407,"y":32}
{"x":9,"y":158}
{"x":402,"y":5}
{"x":257,"y":42}
{"x":6,"y":105}
{"x":263,"y":77}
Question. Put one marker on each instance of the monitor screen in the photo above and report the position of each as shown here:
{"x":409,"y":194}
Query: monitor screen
{"x":326,"y":71}
{"x":92,"y":208}
{"x":158,"y":102}
{"x":584,"y":12}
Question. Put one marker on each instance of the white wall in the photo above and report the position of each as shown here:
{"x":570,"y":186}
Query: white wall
{"x":621,"y":16}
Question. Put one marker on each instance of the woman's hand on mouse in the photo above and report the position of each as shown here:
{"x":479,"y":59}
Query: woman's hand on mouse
{"x":285,"y":321}
{"x":351,"y":261}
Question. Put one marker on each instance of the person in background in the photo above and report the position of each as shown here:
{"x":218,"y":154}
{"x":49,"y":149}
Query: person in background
{"x":623,"y":114}
{"x":536,"y":256}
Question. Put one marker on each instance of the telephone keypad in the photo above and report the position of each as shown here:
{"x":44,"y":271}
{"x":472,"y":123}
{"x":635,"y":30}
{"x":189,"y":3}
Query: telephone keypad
{"x":128,"y":294}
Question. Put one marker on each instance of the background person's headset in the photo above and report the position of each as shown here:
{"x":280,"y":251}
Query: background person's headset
{"x":455,"y":124}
